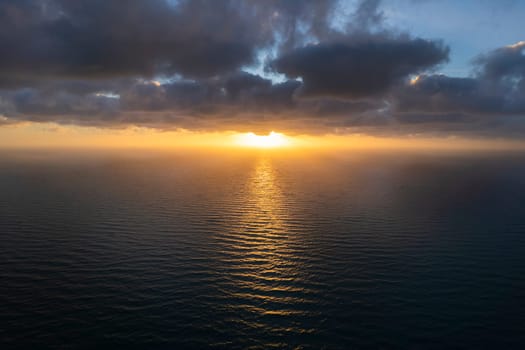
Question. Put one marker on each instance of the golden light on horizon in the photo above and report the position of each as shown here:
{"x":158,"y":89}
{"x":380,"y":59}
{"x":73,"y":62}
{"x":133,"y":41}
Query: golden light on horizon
{"x":272,"y":140}
{"x":30,"y":135}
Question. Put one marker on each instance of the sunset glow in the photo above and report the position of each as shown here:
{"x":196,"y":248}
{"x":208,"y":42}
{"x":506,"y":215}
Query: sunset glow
{"x":202,"y":174}
{"x":54,"y":136}
{"x":272,"y":140}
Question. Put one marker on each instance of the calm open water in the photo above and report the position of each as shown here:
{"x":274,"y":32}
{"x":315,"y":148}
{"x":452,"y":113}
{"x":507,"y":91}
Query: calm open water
{"x":259,"y":250}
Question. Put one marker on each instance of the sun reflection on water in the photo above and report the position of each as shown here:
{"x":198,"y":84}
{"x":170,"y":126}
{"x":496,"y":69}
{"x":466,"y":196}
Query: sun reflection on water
{"x":262,"y":262}
{"x":266,"y":196}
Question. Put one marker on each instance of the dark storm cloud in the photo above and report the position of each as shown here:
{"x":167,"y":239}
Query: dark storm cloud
{"x":295,"y":21}
{"x":439,"y":93}
{"x":366,"y":67}
{"x":31,"y":104}
{"x":240,"y":91}
{"x":232,"y":96}
{"x":107,"y":38}
{"x":504,"y":63}
{"x":490,"y":102}
{"x":100,"y":38}
{"x":497,"y":89}
{"x":170,"y":64}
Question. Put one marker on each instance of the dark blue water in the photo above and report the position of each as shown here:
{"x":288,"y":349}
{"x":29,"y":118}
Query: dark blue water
{"x":261,"y":251}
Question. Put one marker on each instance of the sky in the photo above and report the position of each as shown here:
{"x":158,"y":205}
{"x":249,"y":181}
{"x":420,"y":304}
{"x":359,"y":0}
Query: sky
{"x":76,"y":70}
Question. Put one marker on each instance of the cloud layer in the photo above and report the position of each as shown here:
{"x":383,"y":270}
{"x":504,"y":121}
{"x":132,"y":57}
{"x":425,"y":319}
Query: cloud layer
{"x":245,"y":65}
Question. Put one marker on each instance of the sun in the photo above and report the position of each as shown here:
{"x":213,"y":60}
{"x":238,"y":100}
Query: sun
{"x":272,"y":140}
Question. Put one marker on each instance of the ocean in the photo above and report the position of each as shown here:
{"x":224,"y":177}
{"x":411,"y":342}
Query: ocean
{"x":262,"y":250}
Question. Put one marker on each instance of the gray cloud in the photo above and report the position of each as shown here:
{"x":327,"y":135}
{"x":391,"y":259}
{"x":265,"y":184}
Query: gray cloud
{"x":497,"y":89}
{"x":359,"y":67}
{"x":503,"y":64}
{"x":100,"y":38}
{"x":171,"y":64}
{"x":367,"y":15}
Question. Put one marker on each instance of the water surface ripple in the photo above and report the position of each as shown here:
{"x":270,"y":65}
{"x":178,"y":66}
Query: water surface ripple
{"x":263,"y":251}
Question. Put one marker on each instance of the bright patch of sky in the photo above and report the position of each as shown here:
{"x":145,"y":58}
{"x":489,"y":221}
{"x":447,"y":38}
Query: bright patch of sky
{"x":265,"y":56}
{"x":107,"y":94}
{"x":469,"y":27}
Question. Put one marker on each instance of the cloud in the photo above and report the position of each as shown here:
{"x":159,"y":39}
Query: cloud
{"x":244,"y":65}
{"x":503,"y":64}
{"x":497,"y":88}
{"x":440,"y":93}
{"x":97,"y":38}
{"x":359,"y":67}
{"x":367,"y":15}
